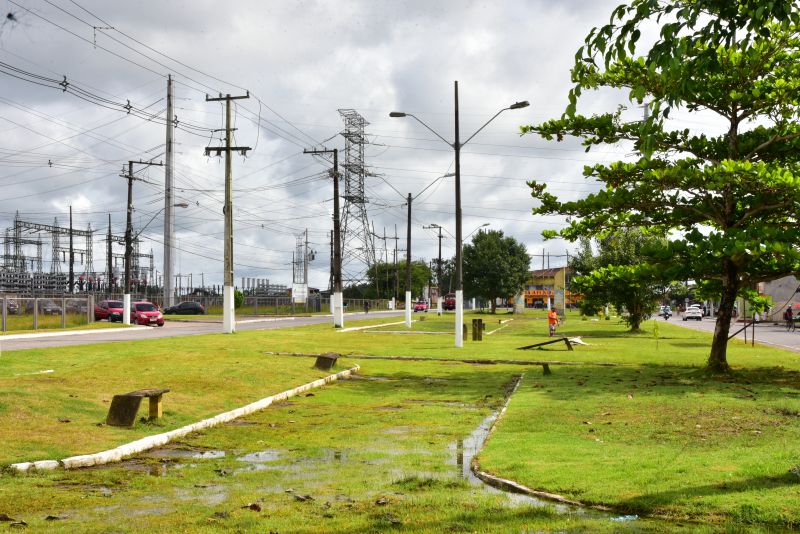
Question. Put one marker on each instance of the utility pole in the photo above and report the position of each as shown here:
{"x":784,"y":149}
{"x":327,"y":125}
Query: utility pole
{"x":71,"y":256}
{"x":169,"y":216}
{"x":337,"y":301}
{"x":305,"y":264}
{"x":438,"y":270}
{"x":126,"y":298}
{"x":386,"y":263}
{"x":228,"y":318}
{"x":408,"y":265}
{"x":110,"y":260}
{"x":396,"y":273}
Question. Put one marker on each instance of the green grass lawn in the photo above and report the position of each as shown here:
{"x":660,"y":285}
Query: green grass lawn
{"x":652,"y":436}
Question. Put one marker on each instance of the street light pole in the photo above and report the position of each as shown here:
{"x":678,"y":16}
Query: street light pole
{"x":408,"y":265}
{"x":459,"y":277}
{"x":456,"y":145}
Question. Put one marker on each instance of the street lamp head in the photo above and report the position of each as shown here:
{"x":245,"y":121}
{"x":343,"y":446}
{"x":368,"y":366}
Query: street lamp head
{"x":181,"y":205}
{"x":519,"y":105}
{"x":397,"y":114}
{"x":484,"y":224}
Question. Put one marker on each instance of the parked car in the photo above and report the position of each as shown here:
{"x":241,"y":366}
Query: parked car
{"x":146,"y":313}
{"x":449,"y":302}
{"x":12,"y":308}
{"x":186,"y":308}
{"x":693,"y":312}
{"x":108,"y":309}
{"x":78,"y":306}
{"x":46,"y":307}
{"x":421,"y":306}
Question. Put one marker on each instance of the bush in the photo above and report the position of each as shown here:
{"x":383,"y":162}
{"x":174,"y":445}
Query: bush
{"x":238,"y":298}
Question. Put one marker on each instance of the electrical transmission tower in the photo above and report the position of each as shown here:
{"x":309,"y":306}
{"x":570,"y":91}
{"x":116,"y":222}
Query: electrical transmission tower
{"x":358,"y":246}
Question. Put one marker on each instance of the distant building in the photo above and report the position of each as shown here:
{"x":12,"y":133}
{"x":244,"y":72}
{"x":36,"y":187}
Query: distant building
{"x":783,"y":291}
{"x":549,"y":285}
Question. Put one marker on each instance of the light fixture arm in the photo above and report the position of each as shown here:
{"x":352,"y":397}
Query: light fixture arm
{"x":430,"y":129}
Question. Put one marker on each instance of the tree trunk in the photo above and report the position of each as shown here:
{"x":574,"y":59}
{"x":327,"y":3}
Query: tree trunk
{"x":494,"y":304}
{"x":718,"y":360}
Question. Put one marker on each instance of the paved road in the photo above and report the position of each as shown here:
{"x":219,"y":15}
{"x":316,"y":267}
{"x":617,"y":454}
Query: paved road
{"x":171,"y":329}
{"x":768,"y":332}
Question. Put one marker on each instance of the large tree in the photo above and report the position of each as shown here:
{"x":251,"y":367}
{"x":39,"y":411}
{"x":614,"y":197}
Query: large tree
{"x":381,"y":279}
{"x":495,"y":266}
{"x":729,"y":201}
{"x":610,"y":272}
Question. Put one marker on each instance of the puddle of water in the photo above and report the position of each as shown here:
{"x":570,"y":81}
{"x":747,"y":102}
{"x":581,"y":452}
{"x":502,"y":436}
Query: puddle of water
{"x":260,"y":456}
{"x":208,"y":455}
{"x":262,"y":461}
{"x":463,"y":450}
{"x":398,"y":430}
{"x":211,"y":495}
{"x":184,"y":453}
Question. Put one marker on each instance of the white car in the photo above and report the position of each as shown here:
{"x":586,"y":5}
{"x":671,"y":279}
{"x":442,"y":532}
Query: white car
{"x":693,"y":312}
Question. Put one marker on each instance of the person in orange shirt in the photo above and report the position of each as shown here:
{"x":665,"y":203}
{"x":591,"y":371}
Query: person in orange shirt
{"x":552,"y":320}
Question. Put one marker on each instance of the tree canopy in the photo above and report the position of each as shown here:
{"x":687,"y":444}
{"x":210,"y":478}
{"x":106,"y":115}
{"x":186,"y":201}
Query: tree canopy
{"x":611,"y":274}
{"x":381,"y":280}
{"x":495,"y":266}
{"x":729,"y":201}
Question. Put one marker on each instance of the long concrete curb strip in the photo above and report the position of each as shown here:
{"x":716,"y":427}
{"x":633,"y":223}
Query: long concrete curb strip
{"x":134,"y":447}
{"x":357,"y":328}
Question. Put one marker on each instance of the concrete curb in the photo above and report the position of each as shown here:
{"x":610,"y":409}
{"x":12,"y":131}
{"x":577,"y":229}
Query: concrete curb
{"x":10,"y":337}
{"x":357,"y":328}
{"x":149,"y":442}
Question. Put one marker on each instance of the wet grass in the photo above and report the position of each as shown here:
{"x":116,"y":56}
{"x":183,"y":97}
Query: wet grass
{"x":361,"y":456}
{"x":653,"y":436}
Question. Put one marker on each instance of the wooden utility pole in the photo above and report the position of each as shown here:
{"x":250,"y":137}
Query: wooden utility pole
{"x":228,"y":320}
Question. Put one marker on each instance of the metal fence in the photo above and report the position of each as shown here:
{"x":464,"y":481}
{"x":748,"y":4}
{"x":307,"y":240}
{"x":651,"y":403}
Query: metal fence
{"x":26,"y":313}
{"x":58,"y":311}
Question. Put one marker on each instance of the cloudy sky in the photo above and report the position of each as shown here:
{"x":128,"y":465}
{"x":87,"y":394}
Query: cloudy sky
{"x":301,"y":61}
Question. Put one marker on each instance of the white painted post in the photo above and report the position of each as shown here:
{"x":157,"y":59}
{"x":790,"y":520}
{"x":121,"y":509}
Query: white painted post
{"x":459,"y":318}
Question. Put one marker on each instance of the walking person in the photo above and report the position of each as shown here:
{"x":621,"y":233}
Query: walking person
{"x":789,"y":319}
{"x":552,"y":321}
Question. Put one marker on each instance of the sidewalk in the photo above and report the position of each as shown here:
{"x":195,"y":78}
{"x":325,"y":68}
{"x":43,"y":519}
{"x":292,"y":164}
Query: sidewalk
{"x":767,"y":333}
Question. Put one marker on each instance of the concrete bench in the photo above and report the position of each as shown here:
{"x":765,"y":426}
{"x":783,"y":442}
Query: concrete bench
{"x":124,"y":407}
{"x":325,"y":362}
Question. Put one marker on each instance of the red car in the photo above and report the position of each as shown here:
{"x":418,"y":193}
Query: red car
{"x":449,"y":302}
{"x":421,"y":306}
{"x":108,"y":309}
{"x":146,"y":313}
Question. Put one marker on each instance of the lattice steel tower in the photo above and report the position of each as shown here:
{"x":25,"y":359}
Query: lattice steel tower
{"x":358,"y":245}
